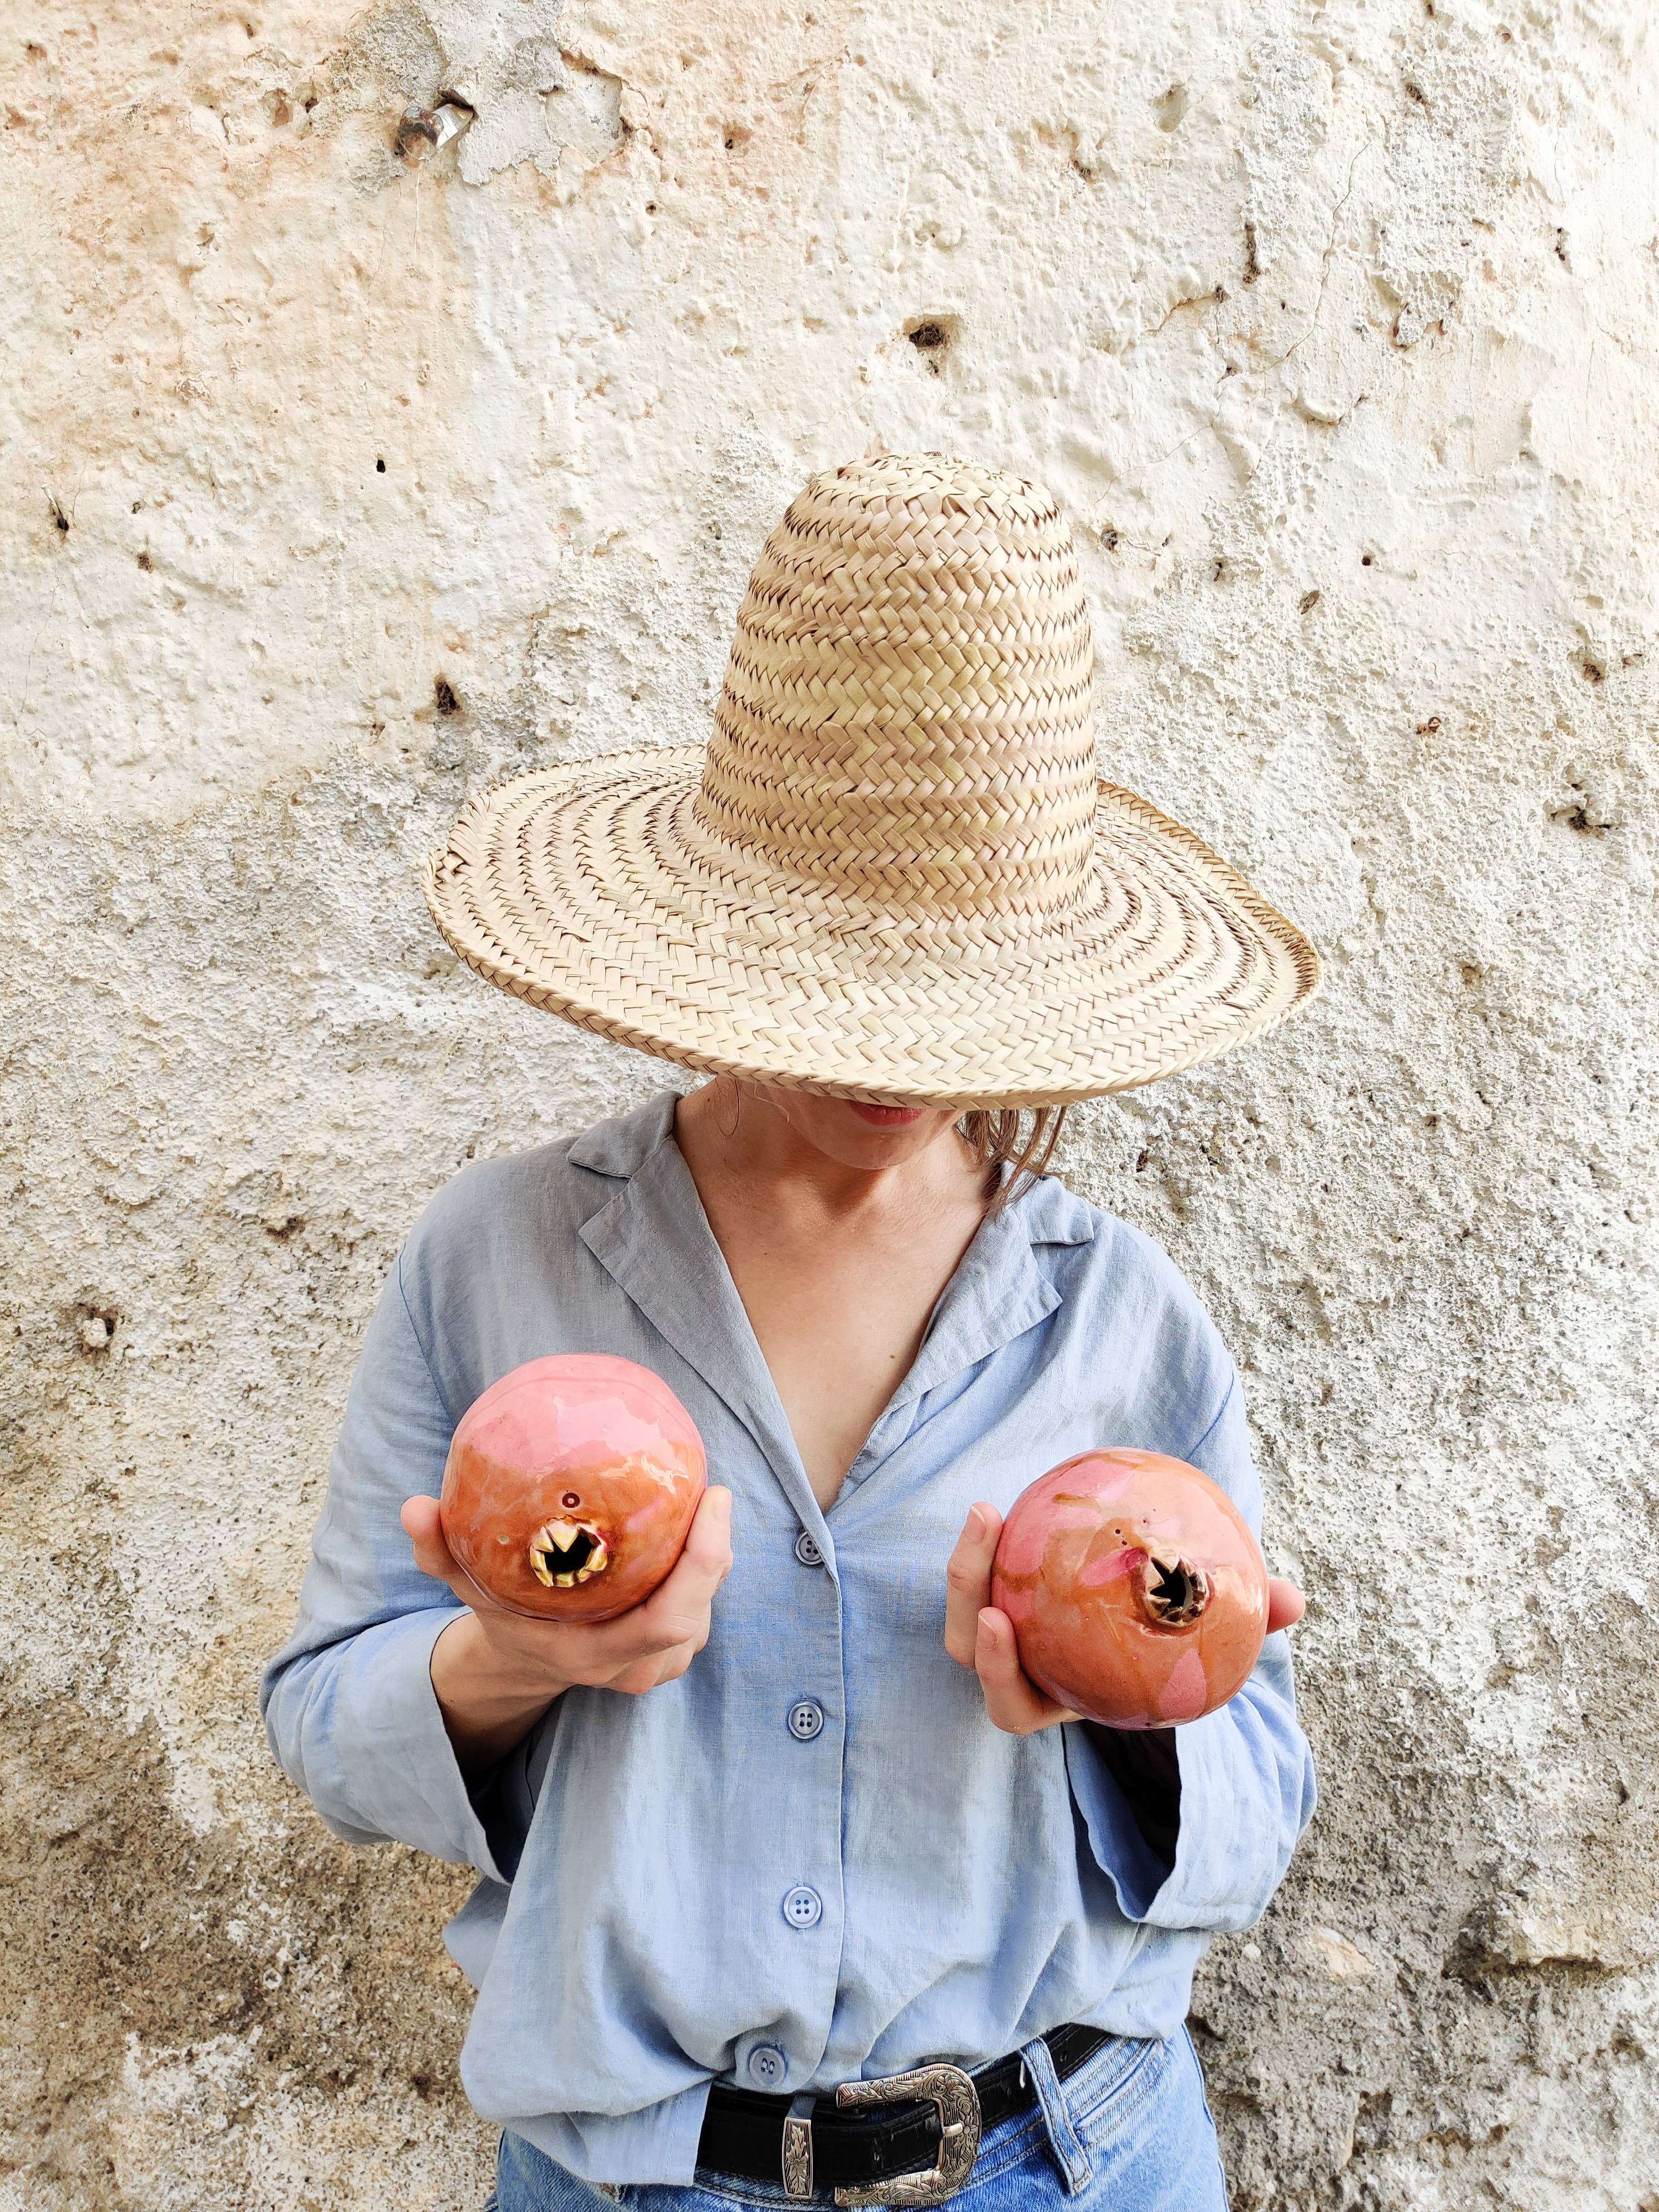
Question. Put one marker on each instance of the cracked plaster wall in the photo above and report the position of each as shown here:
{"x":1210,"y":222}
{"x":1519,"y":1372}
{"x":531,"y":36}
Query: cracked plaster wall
{"x":344,"y":469}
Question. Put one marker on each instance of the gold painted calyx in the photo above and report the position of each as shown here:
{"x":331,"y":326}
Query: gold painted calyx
{"x":566,"y":1553}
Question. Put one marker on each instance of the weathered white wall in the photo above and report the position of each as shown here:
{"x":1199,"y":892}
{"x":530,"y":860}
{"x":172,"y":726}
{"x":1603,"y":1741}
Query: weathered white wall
{"x":1336,"y":328}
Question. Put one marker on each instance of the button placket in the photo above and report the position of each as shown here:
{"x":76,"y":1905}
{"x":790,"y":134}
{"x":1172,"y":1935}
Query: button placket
{"x":802,"y":1907}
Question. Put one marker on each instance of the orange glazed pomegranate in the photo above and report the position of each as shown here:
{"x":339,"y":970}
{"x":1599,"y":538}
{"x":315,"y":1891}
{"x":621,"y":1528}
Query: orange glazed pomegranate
{"x":1136,"y":1591}
{"x":570,"y":1487}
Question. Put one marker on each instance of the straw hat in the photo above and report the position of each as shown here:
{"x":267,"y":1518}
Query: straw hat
{"x":892,"y":874}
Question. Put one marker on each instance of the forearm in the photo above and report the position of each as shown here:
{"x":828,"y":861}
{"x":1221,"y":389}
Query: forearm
{"x":489,"y":1700}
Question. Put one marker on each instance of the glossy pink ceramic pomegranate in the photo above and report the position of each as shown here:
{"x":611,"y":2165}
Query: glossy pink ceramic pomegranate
{"x":570,"y":1485}
{"x":1136,"y":1591}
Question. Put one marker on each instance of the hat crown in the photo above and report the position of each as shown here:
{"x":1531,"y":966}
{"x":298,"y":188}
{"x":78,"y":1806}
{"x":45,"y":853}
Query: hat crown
{"x":906,"y":720}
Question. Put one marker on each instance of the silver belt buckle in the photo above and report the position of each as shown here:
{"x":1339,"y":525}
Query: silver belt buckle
{"x":797,"y":2147}
{"x":952,"y":2092}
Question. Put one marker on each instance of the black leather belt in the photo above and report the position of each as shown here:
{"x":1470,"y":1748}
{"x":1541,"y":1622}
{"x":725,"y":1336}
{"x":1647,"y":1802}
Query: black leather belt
{"x":908,"y":2139}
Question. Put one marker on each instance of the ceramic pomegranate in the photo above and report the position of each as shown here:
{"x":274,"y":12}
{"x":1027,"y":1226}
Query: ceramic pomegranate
{"x":1136,"y":1591}
{"x":570,"y":1485}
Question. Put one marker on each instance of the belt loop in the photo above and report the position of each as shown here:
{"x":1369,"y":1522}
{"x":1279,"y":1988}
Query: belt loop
{"x":1063,"y":2139}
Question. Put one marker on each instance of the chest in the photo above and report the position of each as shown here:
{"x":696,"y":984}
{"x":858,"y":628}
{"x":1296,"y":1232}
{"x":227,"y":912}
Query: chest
{"x":839,"y":1315}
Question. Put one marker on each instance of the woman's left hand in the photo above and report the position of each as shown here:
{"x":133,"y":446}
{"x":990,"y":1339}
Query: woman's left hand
{"x":977,"y":1635}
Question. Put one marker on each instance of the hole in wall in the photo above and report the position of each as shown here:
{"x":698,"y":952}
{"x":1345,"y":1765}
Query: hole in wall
{"x":95,"y":1323}
{"x":1584,"y":814}
{"x":932,"y":337}
{"x":443,"y":696}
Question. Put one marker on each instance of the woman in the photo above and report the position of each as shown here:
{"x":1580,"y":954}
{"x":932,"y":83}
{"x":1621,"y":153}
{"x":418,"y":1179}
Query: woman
{"x":799,"y":1824}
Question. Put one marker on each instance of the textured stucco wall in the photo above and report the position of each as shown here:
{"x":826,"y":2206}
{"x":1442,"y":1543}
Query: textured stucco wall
{"x":337,"y":481}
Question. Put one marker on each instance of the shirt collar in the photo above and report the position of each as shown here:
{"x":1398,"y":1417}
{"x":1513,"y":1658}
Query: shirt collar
{"x":654,"y":1241}
{"x":997,"y":1293}
{"x":621,"y":1145}
{"x":1048,"y":1213}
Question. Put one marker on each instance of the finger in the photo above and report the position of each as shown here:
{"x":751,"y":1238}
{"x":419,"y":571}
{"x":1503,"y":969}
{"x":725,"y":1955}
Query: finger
{"x":968,"y":1581}
{"x":709,"y":1539}
{"x":635,"y":1681}
{"x":1286,"y":1604}
{"x":677,"y":1612}
{"x":423,"y":1526}
{"x":1015,"y":1704}
{"x":650,"y":1671}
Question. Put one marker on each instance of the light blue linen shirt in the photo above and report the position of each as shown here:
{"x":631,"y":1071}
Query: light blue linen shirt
{"x":679,"y":1889}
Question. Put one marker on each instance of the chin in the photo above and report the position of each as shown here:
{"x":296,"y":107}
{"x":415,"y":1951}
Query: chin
{"x":861,"y":1136}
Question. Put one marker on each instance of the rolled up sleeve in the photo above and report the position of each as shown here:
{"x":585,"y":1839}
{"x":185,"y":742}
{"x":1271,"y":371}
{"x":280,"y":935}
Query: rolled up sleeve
{"x":348,"y":1705}
{"x":1247,"y":1781}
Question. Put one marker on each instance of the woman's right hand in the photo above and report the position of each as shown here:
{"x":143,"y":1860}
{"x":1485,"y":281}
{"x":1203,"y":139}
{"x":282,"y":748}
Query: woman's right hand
{"x":496,"y":1673}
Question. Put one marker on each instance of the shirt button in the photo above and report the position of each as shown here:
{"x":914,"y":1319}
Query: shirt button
{"x":805,"y":1719}
{"x":806,"y":1549}
{"x":767,"y":2066}
{"x":802,"y":1908}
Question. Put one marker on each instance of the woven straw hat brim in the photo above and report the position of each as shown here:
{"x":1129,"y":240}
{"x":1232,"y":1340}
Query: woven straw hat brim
{"x":590,"y":890}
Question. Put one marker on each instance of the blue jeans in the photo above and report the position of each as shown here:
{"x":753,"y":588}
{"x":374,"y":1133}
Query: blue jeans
{"x":1130,"y":2131}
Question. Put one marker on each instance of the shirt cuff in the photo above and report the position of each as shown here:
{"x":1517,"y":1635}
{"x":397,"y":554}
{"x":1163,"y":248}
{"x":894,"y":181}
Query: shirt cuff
{"x":1246,"y":1795}
{"x":387,"y":1767}
{"x":1120,"y":1851}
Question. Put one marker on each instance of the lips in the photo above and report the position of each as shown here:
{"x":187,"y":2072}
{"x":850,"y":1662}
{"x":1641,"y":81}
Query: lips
{"x":887,"y":1117}
{"x":566,"y":1553}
